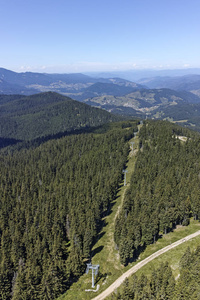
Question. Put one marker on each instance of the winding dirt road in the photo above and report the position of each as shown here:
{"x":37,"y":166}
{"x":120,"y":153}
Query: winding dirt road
{"x":139,"y":265}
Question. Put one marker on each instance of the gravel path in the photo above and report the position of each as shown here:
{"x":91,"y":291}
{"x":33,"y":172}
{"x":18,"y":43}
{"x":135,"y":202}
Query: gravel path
{"x":139,"y":265}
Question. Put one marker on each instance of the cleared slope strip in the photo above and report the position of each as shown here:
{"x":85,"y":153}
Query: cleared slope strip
{"x":104,"y":252}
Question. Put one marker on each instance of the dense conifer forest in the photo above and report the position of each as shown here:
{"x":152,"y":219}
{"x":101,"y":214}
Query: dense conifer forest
{"x":164,"y":188}
{"x":54,"y":195}
{"x":39,"y":115}
{"x":52,"y":200}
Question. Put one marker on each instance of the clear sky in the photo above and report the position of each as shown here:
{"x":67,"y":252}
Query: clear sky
{"x":99,"y":35}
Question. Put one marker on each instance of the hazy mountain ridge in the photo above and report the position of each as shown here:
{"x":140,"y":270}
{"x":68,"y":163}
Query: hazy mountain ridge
{"x":136,"y":75}
{"x":30,"y":83}
{"x":186,"y":82}
{"x":154,"y":97}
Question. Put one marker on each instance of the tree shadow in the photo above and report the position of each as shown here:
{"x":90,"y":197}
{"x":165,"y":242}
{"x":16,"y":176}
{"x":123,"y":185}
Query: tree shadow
{"x":100,"y":235}
{"x":97,"y":250}
{"x":102,"y":276}
{"x":36,"y":142}
{"x":5,"y":142}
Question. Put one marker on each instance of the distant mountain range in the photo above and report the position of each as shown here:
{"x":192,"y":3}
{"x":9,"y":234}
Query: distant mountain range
{"x":162,"y":97}
{"x":80,"y":86}
{"x":68,"y":84}
{"x":135,"y":75}
{"x":187,"y":83}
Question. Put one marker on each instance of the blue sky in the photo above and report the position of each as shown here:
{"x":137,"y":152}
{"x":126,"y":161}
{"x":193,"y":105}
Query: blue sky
{"x":99,"y":35}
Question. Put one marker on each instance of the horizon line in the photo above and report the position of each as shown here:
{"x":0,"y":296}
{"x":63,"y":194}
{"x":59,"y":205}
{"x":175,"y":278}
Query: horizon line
{"x":103,"y":71}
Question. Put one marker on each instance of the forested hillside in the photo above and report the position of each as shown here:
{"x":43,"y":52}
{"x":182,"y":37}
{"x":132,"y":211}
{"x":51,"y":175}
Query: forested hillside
{"x":188,"y":114}
{"x":31,"y":117}
{"x":162,"y":284}
{"x":52,"y":200}
{"x":164,"y":189}
{"x":53,"y":197}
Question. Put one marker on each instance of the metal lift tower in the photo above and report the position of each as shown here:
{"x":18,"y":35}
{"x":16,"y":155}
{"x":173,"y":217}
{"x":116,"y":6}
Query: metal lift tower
{"x":125,"y":171}
{"x":132,"y":143}
{"x":95,"y":269}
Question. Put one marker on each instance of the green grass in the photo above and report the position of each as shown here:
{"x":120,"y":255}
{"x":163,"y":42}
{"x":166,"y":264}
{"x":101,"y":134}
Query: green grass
{"x":172,"y":256}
